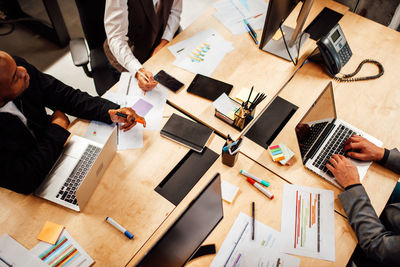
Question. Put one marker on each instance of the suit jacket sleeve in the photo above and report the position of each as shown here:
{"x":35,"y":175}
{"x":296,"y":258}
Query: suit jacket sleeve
{"x":393,"y":161}
{"x":376,"y":241}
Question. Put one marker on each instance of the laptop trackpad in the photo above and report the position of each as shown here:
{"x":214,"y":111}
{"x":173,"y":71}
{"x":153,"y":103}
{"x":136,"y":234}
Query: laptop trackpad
{"x":75,"y":147}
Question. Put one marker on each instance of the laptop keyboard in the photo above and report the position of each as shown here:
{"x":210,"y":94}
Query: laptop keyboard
{"x":315,"y":130}
{"x":334,"y":146}
{"x":67,"y":192}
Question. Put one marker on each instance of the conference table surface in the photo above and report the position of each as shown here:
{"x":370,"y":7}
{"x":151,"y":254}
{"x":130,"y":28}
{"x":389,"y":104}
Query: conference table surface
{"x":267,"y":211}
{"x":124,"y":193}
{"x":371,"y":106}
{"x":244,"y":67}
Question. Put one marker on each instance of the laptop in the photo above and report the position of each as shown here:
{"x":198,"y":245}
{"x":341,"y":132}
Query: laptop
{"x":77,"y":171}
{"x":320,"y":134}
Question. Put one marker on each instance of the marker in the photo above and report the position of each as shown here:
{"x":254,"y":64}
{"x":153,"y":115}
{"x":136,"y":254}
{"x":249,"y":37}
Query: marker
{"x":255,"y":178}
{"x":251,"y":34}
{"x":119,"y":227}
{"x":251,"y":28}
{"x":261,"y":188}
{"x":133,"y":119}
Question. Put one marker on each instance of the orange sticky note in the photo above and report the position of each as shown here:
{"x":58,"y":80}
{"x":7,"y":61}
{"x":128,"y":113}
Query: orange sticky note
{"x":50,"y":232}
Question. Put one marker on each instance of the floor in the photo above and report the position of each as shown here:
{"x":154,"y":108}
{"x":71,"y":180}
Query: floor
{"x":57,"y":61}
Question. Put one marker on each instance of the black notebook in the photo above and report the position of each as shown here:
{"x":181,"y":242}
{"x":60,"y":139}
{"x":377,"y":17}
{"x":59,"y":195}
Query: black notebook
{"x":208,"y":87}
{"x":186,"y":132}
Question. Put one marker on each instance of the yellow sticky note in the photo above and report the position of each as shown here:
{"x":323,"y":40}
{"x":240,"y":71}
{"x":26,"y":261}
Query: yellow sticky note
{"x":243,"y":95}
{"x":277,"y":35}
{"x":50,"y":232}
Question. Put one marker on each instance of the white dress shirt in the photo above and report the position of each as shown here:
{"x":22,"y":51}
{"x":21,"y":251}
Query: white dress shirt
{"x":116,"y":27}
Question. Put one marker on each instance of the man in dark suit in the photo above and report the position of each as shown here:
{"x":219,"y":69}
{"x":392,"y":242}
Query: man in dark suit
{"x":30,"y":140}
{"x":379,"y":239}
{"x":136,"y":30}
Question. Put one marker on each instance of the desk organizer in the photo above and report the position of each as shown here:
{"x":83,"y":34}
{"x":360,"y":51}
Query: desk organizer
{"x":230,"y":121}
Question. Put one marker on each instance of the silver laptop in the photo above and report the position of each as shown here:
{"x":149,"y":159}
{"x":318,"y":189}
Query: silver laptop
{"x":77,"y":172}
{"x":320,"y":134}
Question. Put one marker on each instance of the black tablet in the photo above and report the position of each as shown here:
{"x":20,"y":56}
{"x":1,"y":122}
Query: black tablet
{"x":208,"y":87}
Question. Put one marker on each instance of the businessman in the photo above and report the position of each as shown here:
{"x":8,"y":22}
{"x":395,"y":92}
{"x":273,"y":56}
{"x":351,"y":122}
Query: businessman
{"x":30,"y":140}
{"x":136,"y":30}
{"x":379,"y":239}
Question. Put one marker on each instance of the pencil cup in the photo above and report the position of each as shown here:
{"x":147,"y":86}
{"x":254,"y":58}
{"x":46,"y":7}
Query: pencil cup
{"x":229,"y":159}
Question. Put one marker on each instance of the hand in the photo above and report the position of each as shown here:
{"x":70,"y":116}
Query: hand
{"x":127,"y":122}
{"x":362,"y":149}
{"x":162,"y":43}
{"x":344,"y":170}
{"x":60,"y":119}
{"x":143,"y":83}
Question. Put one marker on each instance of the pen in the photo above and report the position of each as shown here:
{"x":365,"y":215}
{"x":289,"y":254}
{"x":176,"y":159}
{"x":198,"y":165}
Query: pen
{"x":133,"y":119}
{"x":255,"y":178}
{"x":119,"y":227}
{"x":251,"y":28}
{"x":251,"y":34}
{"x":259,"y":187}
{"x":253,"y":219}
{"x":144,"y":76}
{"x":6,"y":263}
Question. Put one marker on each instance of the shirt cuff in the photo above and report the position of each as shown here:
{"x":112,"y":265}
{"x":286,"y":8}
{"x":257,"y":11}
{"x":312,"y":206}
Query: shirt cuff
{"x":351,"y":186}
{"x":385,"y":157}
{"x":133,"y":67}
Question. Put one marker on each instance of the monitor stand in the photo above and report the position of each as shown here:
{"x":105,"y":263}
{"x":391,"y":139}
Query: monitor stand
{"x":278,"y":48}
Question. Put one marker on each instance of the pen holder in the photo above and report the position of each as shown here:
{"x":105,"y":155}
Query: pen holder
{"x":229,"y":159}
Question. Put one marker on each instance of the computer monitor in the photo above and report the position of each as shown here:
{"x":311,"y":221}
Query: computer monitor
{"x":189,"y":231}
{"x":278,"y":11}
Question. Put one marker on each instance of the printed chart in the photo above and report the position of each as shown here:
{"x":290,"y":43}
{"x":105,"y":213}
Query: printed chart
{"x":308,"y":223}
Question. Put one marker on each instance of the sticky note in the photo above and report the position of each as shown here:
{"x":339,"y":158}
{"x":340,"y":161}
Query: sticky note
{"x":142,"y":107}
{"x":50,"y":232}
{"x":243,"y":95}
{"x":228,"y":191}
{"x":287,"y":153}
{"x":276,"y":153}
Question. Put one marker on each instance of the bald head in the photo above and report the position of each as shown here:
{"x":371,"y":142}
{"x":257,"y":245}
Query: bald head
{"x":13,"y":79}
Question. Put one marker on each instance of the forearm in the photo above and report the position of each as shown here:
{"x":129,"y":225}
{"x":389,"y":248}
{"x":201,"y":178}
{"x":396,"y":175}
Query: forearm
{"x":392,"y":161}
{"x":377,"y":242}
{"x":173,"y":21}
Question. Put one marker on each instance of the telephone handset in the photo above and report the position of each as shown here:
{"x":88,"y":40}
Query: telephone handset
{"x":334,"y":52}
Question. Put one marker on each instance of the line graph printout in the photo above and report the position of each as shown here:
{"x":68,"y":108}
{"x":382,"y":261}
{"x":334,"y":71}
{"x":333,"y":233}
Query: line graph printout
{"x":307,"y":223}
{"x":239,"y":250}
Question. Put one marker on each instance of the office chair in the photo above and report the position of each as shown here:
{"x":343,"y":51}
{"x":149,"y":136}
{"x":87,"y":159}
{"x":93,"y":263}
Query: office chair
{"x":91,"y":13}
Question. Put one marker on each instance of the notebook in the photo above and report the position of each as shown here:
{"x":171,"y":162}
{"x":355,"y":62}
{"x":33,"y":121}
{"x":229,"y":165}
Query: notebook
{"x":186,"y":132}
{"x":208,"y":87}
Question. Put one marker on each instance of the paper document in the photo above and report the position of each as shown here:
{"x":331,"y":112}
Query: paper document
{"x":201,"y":53}
{"x":308,"y":223}
{"x":239,"y":250}
{"x":14,"y":254}
{"x":232,"y":12}
{"x":66,"y":252}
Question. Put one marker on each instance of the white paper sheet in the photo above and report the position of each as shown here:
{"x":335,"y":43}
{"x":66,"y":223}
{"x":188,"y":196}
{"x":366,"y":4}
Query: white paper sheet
{"x":228,"y":191}
{"x":80,"y":258}
{"x":202,"y":52}
{"x":308,"y":223}
{"x":225,"y":105}
{"x":13,"y":253}
{"x":239,"y":250}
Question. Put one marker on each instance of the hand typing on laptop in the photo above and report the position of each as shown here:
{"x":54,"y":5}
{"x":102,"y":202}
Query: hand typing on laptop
{"x":356,"y":147}
{"x":129,"y":121}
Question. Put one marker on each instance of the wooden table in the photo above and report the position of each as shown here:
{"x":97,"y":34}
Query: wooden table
{"x":371,"y":106}
{"x":125,"y":193}
{"x":245,"y":66}
{"x":267,"y":211}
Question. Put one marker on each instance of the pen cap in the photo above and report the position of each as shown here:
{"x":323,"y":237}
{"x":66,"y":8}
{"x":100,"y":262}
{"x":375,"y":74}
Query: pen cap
{"x":128,"y":235}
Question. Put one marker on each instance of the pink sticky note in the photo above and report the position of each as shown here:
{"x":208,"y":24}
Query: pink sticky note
{"x":142,"y":107}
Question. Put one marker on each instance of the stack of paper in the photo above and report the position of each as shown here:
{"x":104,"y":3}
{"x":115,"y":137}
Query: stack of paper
{"x":232,"y":12}
{"x":201,"y":53}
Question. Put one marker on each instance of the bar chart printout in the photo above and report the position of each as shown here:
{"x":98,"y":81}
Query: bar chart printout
{"x":308,"y":222}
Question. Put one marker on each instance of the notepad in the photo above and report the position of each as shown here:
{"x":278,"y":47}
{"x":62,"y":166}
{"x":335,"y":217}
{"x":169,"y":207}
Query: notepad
{"x":50,"y":232}
{"x":186,"y":132}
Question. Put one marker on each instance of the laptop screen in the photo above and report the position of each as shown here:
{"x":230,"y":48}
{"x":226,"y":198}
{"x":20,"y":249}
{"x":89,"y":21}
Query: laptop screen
{"x":321,"y":113}
{"x":189,"y":231}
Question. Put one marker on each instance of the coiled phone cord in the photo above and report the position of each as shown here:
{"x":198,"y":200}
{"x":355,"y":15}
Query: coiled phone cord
{"x":348,"y":77}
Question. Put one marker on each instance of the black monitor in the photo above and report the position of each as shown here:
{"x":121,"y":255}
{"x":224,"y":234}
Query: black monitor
{"x":189,"y":231}
{"x":278,"y":11}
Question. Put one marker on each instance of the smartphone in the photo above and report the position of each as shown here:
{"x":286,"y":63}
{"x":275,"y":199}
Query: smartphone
{"x":168,"y":81}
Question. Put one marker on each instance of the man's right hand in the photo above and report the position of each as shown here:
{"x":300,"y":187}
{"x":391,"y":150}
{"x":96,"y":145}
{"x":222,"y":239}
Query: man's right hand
{"x":60,"y":119}
{"x":358,"y":147}
{"x":143,"y":83}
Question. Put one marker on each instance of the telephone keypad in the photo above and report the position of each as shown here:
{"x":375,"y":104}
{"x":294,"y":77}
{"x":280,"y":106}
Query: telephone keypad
{"x":345,"y":54}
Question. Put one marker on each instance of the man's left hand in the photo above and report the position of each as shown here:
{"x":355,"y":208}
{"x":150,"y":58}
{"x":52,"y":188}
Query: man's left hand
{"x":162,"y":43}
{"x":127,"y":122}
{"x":344,"y":170}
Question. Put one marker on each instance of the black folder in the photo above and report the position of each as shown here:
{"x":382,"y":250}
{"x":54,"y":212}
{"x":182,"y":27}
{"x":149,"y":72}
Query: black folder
{"x":186,"y":132}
